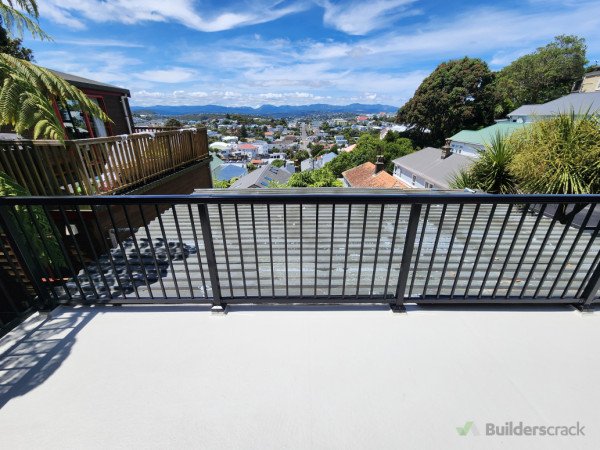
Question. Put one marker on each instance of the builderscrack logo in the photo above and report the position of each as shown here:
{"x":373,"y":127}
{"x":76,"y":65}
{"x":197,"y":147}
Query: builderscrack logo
{"x":520,"y":429}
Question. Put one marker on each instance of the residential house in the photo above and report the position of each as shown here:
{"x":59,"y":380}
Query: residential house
{"x":327,"y":157}
{"x":307,"y":164}
{"x":471,"y":142}
{"x":247,"y":150}
{"x":397,"y":128}
{"x":589,"y":83}
{"x":262,"y":177}
{"x":340,"y":141}
{"x":227,"y":171}
{"x":230,"y":139}
{"x":113,"y":100}
{"x":278,"y":156}
{"x":369,"y":175}
{"x":215,"y":162}
{"x":430,"y":168}
{"x":262,"y":147}
{"x":223,"y":148}
{"x":578,"y":102}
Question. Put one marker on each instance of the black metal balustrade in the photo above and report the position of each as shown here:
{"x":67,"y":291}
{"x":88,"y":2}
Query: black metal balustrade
{"x":309,"y":246}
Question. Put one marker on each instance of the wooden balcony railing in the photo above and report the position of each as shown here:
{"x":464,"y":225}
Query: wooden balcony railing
{"x":107,"y":165}
{"x":153,"y":129}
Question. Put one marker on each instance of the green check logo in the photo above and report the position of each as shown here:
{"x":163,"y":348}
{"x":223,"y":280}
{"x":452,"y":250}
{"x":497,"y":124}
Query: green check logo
{"x":463,"y":431}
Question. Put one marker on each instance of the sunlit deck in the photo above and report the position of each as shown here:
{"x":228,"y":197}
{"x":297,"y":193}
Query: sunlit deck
{"x":311,"y":377}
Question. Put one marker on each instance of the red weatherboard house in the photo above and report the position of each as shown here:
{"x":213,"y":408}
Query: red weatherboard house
{"x":112,"y":99}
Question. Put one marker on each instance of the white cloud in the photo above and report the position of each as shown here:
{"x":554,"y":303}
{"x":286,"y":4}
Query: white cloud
{"x":73,"y":13}
{"x":360,"y":17}
{"x":172,"y":75}
{"x":99,"y":43}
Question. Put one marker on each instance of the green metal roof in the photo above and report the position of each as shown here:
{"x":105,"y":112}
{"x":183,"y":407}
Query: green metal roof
{"x":485,"y":135}
{"x":215,"y":162}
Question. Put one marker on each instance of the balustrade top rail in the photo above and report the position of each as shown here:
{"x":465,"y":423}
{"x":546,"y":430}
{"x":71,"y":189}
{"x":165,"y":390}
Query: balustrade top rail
{"x":153,"y":129}
{"x":314,"y":196}
{"x":312,"y":246}
{"x":106,"y":165}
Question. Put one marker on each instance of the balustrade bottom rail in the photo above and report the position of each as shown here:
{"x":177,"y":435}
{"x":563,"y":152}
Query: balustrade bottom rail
{"x":315,"y":246}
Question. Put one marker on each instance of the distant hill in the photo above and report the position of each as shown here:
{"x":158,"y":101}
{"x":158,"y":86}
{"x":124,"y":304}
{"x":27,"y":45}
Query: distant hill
{"x":267,"y":110}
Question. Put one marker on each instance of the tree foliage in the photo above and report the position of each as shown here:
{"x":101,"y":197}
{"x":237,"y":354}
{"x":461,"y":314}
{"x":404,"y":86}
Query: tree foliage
{"x":560,"y":155}
{"x":20,"y":15}
{"x":13,"y":46}
{"x":278,"y":163}
{"x":39,"y":236}
{"x":323,"y":177}
{"x":368,"y":148}
{"x":457,"y":95}
{"x":28,"y":92}
{"x":491,"y":171}
{"x":173,"y":122}
{"x":541,"y":76}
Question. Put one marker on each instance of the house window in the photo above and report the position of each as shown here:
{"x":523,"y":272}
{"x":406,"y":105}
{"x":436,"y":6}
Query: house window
{"x":414,"y":179}
{"x":98,"y":126}
{"x":79,"y":125}
{"x":74,"y":120}
{"x":428,"y":185}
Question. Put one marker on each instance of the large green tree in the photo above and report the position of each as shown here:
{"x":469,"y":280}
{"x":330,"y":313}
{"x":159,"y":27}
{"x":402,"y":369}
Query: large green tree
{"x":541,"y":76}
{"x":457,"y":95}
{"x":368,"y":148}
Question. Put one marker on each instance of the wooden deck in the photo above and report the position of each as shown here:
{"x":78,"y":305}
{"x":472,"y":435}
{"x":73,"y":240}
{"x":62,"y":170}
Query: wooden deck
{"x":100,"y":166}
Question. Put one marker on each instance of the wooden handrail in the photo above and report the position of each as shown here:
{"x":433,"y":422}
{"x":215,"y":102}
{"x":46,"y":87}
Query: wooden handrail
{"x":106,"y":165}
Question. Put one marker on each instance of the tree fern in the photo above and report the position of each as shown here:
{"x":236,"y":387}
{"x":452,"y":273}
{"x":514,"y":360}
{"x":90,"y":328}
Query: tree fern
{"x":23,"y":18}
{"x":28,"y":92}
{"x":27,"y":97}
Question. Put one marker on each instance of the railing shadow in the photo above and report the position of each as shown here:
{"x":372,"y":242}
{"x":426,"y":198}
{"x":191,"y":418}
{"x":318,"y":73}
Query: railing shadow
{"x":37,"y":353}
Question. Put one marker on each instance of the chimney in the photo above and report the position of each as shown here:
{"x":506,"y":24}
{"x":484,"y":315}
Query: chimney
{"x":446,"y":150}
{"x":379,"y":164}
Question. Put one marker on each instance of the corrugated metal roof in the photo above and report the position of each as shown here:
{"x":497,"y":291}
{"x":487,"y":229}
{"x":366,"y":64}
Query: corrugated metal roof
{"x":486,"y":135}
{"x":262,"y":177}
{"x":579,"y":102}
{"x":428,"y":163}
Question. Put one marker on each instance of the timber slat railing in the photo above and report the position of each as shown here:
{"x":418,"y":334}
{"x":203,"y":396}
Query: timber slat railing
{"x":153,"y":129}
{"x":97,"y":166}
{"x":311,"y":246}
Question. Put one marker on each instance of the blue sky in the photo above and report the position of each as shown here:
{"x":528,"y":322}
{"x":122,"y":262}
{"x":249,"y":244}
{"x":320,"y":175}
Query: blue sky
{"x":293,"y":52}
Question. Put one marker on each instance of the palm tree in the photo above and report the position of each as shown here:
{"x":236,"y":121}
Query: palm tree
{"x":28,"y":92}
{"x":491,"y":171}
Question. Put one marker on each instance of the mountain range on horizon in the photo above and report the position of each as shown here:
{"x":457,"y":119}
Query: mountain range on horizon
{"x":267,"y":110}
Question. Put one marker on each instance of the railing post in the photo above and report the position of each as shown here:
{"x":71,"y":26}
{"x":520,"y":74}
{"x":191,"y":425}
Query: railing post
{"x":217,"y":305}
{"x":407,"y":252}
{"x":590,"y":291}
{"x":170,"y":147}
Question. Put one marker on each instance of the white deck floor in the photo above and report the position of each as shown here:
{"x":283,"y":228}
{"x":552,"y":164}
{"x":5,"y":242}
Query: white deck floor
{"x":273,"y":378}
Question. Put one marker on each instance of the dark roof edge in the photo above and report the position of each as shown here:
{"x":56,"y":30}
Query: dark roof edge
{"x":86,"y":83}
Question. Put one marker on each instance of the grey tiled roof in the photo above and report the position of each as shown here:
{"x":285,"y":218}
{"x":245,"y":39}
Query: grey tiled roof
{"x":428,"y":163}
{"x":262,"y":176}
{"x":580,"y":102}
